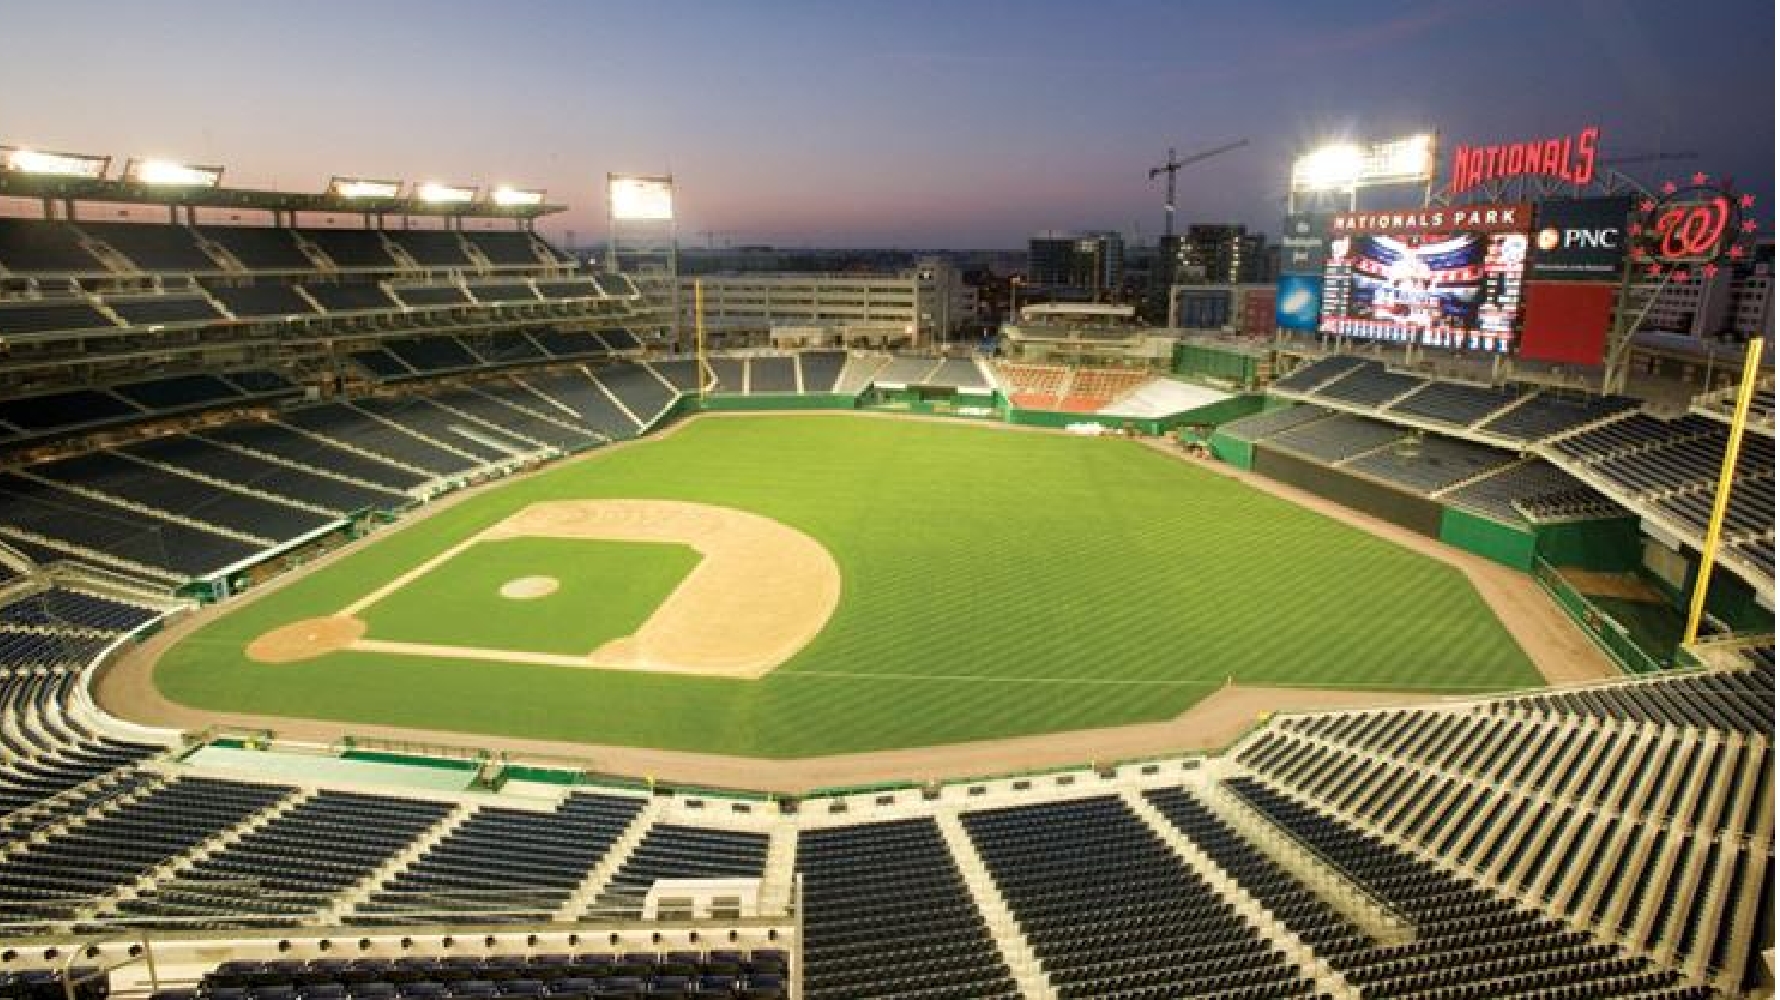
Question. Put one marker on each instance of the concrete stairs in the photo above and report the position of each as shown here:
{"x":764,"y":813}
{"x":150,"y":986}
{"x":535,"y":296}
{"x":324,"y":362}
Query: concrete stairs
{"x":573,"y":907}
{"x":777,"y":874}
{"x":1328,"y":981}
{"x":353,"y":898}
{"x":1016,"y":951}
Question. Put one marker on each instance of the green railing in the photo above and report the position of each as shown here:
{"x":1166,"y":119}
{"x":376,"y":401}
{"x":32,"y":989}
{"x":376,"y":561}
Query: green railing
{"x":1608,"y":635}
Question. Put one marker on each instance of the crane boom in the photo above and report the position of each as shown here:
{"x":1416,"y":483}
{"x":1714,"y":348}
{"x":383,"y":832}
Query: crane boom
{"x":1172,"y":167}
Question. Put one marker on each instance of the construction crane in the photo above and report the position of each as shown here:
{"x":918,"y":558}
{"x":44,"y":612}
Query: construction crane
{"x":1172,"y":167}
{"x":1629,"y":157}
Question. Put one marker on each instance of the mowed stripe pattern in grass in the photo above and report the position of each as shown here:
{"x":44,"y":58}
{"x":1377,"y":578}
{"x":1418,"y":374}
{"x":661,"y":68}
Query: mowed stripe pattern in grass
{"x":984,"y":571}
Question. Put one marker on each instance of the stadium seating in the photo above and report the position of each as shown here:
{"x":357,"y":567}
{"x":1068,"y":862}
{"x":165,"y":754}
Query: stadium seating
{"x":1091,"y":389}
{"x":671,"y":851}
{"x":577,"y":392}
{"x":1431,"y":464}
{"x":772,"y":374}
{"x":1533,"y":490}
{"x":1337,"y":438}
{"x":821,"y":370}
{"x":1468,"y":943}
{"x":153,"y":247}
{"x":503,"y":865}
{"x":253,"y":301}
{"x":34,"y":509}
{"x":507,"y":249}
{"x":1369,"y":385}
{"x":290,"y":867}
{"x":42,"y":317}
{"x":408,"y":432}
{"x":1517,"y":790}
{"x":347,"y":297}
{"x":1111,"y":911}
{"x":1454,"y":403}
{"x":212,"y":461}
{"x":1266,"y":424}
{"x":1032,"y":387}
{"x":1309,"y":377}
{"x":258,"y":248}
{"x":1548,"y":414}
{"x":32,"y":246}
{"x":173,"y":496}
{"x":887,"y":914}
{"x":431,"y":248}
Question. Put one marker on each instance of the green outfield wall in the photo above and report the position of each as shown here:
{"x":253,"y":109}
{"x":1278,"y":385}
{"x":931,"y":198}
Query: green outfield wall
{"x":1200,"y":361}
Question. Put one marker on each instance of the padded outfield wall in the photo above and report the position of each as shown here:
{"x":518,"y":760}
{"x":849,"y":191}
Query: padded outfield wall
{"x":1418,"y":514}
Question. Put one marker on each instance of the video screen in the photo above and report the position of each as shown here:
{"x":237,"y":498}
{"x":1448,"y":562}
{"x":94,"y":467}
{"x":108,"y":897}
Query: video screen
{"x":1457,"y":290}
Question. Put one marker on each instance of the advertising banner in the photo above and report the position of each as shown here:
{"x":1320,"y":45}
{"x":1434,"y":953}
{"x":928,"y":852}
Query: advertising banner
{"x":1298,"y":302}
{"x":1579,"y":240}
{"x":1567,"y":321}
{"x":1304,"y":243}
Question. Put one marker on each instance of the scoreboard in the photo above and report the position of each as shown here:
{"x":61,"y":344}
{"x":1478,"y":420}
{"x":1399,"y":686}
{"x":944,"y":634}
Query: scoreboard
{"x":1446,"y":277}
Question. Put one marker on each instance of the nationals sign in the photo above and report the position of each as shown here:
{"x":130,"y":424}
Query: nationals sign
{"x":1569,"y":158}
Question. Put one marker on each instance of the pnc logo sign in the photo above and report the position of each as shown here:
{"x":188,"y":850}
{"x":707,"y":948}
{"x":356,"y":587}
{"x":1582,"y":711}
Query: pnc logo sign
{"x":1578,"y":239}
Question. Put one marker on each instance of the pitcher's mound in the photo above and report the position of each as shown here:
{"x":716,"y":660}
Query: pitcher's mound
{"x":306,"y":639}
{"x":528,"y":587}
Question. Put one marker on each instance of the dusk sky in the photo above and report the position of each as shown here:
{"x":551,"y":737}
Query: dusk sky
{"x":915,"y":123}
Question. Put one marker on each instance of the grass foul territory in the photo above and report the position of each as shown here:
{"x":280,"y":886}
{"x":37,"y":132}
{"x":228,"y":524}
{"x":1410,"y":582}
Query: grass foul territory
{"x":994,"y":584}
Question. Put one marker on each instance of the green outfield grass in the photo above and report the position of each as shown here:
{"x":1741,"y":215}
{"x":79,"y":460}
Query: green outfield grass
{"x":605,"y":591}
{"x":995,"y":584}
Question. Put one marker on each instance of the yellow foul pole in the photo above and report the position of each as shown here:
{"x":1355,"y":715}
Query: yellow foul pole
{"x":1732,"y":448}
{"x":698,"y":326}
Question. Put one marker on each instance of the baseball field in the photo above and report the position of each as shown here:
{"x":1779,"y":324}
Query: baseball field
{"x":784,"y":586}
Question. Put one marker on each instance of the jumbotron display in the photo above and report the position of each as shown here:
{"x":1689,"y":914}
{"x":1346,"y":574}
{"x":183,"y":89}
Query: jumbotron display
{"x":1442,"y":277}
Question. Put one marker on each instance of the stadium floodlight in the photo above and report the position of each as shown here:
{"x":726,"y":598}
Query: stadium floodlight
{"x":1346,"y":166}
{"x":166,"y":173}
{"x":434,"y":193}
{"x":637,"y":198}
{"x":512,"y":197}
{"x":1410,"y":158}
{"x":359,"y":188}
{"x":1329,"y":168}
{"x":34,"y":161}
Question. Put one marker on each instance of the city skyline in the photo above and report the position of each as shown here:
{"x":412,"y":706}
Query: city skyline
{"x":915,"y":125}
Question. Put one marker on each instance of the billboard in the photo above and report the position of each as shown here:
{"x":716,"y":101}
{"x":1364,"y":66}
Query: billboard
{"x":1579,"y":240}
{"x":1304,"y":242}
{"x":1203,"y":308}
{"x":1442,"y":277}
{"x":1298,"y":303}
{"x":1567,"y":321}
{"x":1257,"y":312}
{"x":643,"y":199}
